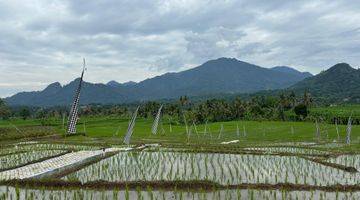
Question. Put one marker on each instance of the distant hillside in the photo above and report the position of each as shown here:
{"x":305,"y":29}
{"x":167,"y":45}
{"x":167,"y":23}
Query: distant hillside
{"x":223,"y":75}
{"x":292,"y":71}
{"x":220,"y":76}
{"x":117,"y":84}
{"x":55,"y":94}
{"x":341,"y":82}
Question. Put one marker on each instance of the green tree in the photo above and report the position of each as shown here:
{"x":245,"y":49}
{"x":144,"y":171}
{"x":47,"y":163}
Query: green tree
{"x":292,"y":99}
{"x":301,"y":111}
{"x":184,"y":100}
{"x":40,"y":114}
{"x":307,"y":99}
{"x":4,"y":110}
{"x":282,"y":105}
{"x":24,"y":113}
{"x":239,"y":108}
{"x":149,"y":109}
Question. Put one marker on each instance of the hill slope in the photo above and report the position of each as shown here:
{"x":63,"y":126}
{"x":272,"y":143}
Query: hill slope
{"x":223,"y":75}
{"x":292,"y":71}
{"x":55,"y":94}
{"x":341,"y":82}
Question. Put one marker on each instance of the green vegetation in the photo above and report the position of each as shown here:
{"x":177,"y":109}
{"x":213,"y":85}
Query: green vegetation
{"x":273,"y":144}
{"x":13,"y":129}
{"x":112,"y":129}
{"x":4,"y":110}
{"x":272,"y":108}
{"x":265,"y":119}
{"x":338,"y":84}
{"x":341,"y":113}
{"x":282,"y":156}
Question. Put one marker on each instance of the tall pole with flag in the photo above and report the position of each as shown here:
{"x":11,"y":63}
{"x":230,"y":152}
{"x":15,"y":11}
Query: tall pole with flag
{"x":156,"y":121}
{"x":348,"y":131}
{"x":131,"y":126}
{"x":73,"y":117}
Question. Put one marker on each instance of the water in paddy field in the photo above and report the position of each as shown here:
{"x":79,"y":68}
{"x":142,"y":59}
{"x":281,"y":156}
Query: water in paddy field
{"x":288,"y":150}
{"x":221,"y":168}
{"x":13,"y":160}
{"x":18,"y":148}
{"x":347,"y":160}
{"x":24,"y":194}
{"x":167,"y":164}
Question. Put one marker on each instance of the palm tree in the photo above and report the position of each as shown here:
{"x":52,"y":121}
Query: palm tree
{"x":184,"y":100}
{"x":307,"y":99}
{"x":4,"y":110}
{"x":292,"y":99}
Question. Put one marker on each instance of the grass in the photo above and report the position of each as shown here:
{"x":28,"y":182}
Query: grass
{"x":340,"y":110}
{"x":257,"y":132}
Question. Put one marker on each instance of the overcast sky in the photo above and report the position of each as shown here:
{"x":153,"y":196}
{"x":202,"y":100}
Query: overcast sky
{"x":44,"y":41}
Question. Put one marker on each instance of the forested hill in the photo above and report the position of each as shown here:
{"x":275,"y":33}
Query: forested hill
{"x":341,"y":82}
{"x":223,"y":75}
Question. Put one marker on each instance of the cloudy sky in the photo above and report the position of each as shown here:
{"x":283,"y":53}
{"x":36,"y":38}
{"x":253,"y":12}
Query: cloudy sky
{"x":44,"y":41}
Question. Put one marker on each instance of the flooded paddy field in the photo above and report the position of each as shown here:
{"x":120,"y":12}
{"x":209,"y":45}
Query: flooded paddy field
{"x":220,"y":168}
{"x":292,"y":150}
{"x":155,"y":172}
{"x":347,"y":160}
{"x":26,"y":193}
{"x":17,"y":159}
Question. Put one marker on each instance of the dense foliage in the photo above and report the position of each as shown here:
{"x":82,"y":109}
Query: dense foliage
{"x":4,"y":110}
{"x":340,"y":83}
{"x":282,"y":107}
{"x":212,"y":110}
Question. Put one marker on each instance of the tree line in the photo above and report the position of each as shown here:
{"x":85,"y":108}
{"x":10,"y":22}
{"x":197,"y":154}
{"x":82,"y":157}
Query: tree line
{"x":283,"y":107}
{"x":286,"y":106}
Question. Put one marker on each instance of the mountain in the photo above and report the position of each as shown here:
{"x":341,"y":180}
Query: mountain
{"x":220,"y":76}
{"x":117,"y":84}
{"x":113,"y":84}
{"x":223,"y":75}
{"x":293,"y":71}
{"x":129,"y":83}
{"x":341,"y":82}
{"x":55,"y":94}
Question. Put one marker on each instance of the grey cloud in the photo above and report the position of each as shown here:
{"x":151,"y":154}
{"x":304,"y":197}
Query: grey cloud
{"x":215,"y":42}
{"x":43,"y":41}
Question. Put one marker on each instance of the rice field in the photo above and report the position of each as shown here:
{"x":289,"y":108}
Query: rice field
{"x":347,"y":160}
{"x":291,"y":150}
{"x":221,"y":168}
{"x":19,"y":193}
{"x":43,"y":146}
{"x":14,"y":160}
{"x":162,"y":164}
{"x":273,"y":160}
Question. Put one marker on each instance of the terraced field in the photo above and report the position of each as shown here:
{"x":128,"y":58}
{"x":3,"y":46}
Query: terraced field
{"x":156,"y":172}
{"x":271,"y":163}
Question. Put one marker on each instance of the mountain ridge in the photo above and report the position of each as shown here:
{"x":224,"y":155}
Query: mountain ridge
{"x":291,"y":70}
{"x":223,"y":75}
{"x":339,"y":83}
